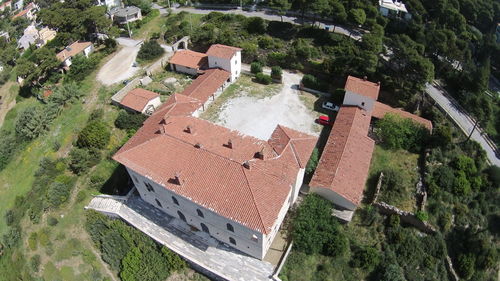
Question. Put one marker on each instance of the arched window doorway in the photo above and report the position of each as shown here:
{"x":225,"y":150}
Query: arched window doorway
{"x":181,"y":216}
{"x":205,"y":228}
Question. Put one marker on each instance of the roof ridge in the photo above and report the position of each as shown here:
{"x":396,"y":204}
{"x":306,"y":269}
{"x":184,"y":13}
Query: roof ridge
{"x":254,"y":200}
{"x":344,"y":145}
{"x":295,"y":154}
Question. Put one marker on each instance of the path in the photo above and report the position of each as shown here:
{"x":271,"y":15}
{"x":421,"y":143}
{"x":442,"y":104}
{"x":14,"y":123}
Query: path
{"x":460,"y":117}
{"x":120,"y":67}
{"x":204,"y":252}
{"x":355,"y":34}
{"x":7,"y":102}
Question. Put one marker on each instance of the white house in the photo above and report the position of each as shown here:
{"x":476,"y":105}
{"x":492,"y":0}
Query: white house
{"x":233,"y":187}
{"x":141,"y":101}
{"x":17,"y":5}
{"x":5,"y":5}
{"x":109,"y":3}
{"x":393,"y":8}
{"x":77,"y":48}
{"x":225,"y":57}
{"x":361,"y":92}
{"x":125,"y":15}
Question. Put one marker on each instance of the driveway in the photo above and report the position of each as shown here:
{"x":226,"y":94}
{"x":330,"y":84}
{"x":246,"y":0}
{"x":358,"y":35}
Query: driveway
{"x":259,"y":117}
{"x":460,"y":117}
{"x":120,"y":66}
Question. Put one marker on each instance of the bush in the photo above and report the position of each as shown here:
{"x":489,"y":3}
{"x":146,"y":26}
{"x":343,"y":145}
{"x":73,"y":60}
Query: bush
{"x":465,"y":265}
{"x":365,"y":257}
{"x":263,"y":78}
{"x":52,"y":221}
{"x":81,"y":67}
{"x":8,"y":146}
{"x":276,"y":72}
{"x":493,"y":174}
{"x":35,"y":262}
{"x":58,"y":193}
{"x":95,"y":135}
{"x":401,"y":133}
{"x":255,"y":25}
{"x":311,"y":82}
{"x":255,"y":67}
{"x":421,"y":215}
{"x":313,"y":161}
{"x":82,"y":159}
{"x":33,"y":122}
{"x":66,"y":93}
{"x":277,"y":58}
{"x":150,"y":50}
{"x":127,"y":121}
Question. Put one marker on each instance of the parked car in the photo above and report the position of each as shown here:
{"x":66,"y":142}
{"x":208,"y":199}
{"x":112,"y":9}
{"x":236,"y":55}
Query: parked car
{"x":324,"y":120}
{"x":330,"y":106}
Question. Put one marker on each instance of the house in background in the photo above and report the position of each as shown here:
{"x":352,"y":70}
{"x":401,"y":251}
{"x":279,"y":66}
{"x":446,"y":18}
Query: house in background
{"x":109,"y":3}
{"x":141,"y":101}
{"x":45,"y":35}
{"x":28,"y":12}
{"x":225,"y":57}
{"x":125,"y":15}
{"x":35,"y":37}
{"x":77,"y":48}
{"x":5,"y":5}
{"x":5,"y":34}
{"x":394,"y":8}
{"x":189,"y":62}
{"x":17,"y":5}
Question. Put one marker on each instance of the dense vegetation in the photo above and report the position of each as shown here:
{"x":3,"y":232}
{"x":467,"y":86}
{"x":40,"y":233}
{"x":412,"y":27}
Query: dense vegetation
{"x":150,"y":50}
{"x":130,"y":252}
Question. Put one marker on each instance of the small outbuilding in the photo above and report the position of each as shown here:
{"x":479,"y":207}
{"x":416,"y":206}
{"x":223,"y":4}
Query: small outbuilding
{"x":142,"y":101}
{"x":189,"y":62}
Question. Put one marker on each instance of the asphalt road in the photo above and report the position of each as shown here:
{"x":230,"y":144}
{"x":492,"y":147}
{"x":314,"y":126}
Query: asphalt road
{"x":461,"y":118}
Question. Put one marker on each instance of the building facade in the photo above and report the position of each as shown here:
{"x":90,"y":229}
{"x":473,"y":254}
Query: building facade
{"x":225,"y":57}
{"x":77,"y":48}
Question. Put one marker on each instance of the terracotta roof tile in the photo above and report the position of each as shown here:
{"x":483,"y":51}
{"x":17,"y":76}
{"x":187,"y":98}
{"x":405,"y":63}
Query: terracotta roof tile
{"x":189,"y":59}
{"x":222,"y":51}
{"x":72,"y":50}
{"x":381,"y":109}
{"x":205,"y":85}
{"x":362,"y":87}
{"x":344,"y":164}
{"x":138,"y":98}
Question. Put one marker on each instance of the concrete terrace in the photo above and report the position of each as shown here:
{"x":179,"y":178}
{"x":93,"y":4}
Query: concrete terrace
{"x":199,"y":249}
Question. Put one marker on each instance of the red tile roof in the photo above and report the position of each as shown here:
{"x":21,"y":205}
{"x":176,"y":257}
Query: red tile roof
{"x":218,"y":181}
{"x":362,"y":87}
{"x":380,"y":110}
{"x":72,"y":50}
{"x":222,"y":51}
{"x":189,"y":59}
{"x":345,"y":162}
{"x":205,"y":85}
{"x":138,"y":98}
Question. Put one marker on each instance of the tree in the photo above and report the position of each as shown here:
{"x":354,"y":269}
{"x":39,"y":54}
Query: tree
{"x":150,"y":50}
{"x":393,"y":273}
{"x":365,"y":257}
{"x":66,"y":93}
{"x":129,"y":121}
{"x":81,"y":67}
{"x":32,"y":122}
{"x":337,"y":12}
{"x":255,"y":67}
{"x":81,"y":159}
{"x":357,"y":16}
{"x":95,"y":135}
{"x":58,"y":193}
{"x":276,"y":72}
{"x":397,"y":132}
{"x":281,"y":5}
{"x":313,"y":161}
{"x":255,"y":25}
{"x":466,"y":265}
{"x":263,"y":78}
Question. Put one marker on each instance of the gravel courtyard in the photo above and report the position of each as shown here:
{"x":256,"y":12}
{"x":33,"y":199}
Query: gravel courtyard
{"x":258,"y":117}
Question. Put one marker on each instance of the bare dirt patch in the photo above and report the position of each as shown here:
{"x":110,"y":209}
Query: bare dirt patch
{"x":120,"y":66}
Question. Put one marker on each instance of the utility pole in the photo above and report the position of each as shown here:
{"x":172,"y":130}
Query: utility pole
{"x":128,"y":26}
{"x":473,"y":128}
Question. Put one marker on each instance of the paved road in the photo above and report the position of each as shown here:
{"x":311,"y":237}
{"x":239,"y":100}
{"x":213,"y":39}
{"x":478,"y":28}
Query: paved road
{"x":461,"y":118}
{"x":355,"y":34}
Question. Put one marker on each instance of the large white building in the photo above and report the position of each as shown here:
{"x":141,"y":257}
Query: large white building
{"x":236,"y":188}
{"x":225,"y":57}
{"x":109,"y":3}
{"x":393,"y":8}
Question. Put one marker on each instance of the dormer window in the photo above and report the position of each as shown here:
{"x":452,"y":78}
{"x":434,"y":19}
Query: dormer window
{"x":175,"y":201}
{"x":149,"y":187}
{"x":200,"y":213}
{"x":230,"y":227}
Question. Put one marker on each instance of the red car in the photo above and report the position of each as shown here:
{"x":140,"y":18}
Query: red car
{"x":324,"y":120}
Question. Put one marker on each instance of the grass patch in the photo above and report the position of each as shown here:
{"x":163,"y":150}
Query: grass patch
{"x":403,"y":163}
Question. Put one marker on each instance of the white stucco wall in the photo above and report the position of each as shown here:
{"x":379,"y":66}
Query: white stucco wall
{"x":215,"y":223}
{"x":352,"y":98}
{"x":333,"y":197}
{"x":233,"y":65}
{"x":183,"y":69}
{"x":87,"y":51}
{"x":156,"y":102}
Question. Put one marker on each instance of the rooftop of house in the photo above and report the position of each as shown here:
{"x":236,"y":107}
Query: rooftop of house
{"x":345,"y":161}
{"x":124,"y":12}
{"x":25,"y":11}
{"x":206,"y":84}
{"x":72,"y":50}
{"x":222,"y":51}
{"x":236,"y":176}
{"x":381,"y":109}
{"x":189,"y":59}
{"x":393,"y":5}
{"x":362,"y":87}
{"x":138,"y":98}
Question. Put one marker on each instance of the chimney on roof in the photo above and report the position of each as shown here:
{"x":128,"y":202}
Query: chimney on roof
{"x":162,"y":130}
{"x":260,"y":154}
{"x":230,"y":143}
{"x":198,"y":145}
{"x":177,"y":178}
{"x":188,"y":129}
{"x":246,"y":164}
{"x":365,"y":78}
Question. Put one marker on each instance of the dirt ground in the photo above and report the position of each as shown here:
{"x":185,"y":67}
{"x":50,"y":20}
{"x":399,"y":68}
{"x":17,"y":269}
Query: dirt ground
{"x":120,"y":66}
{"x":259,"y":117}
{"x":7,"y":101}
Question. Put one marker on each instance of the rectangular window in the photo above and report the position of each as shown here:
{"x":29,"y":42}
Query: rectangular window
{"x":149,"y":187}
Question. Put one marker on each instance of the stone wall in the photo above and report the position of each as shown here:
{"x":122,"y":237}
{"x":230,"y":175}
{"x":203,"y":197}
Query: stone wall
{"x":404,"y":216}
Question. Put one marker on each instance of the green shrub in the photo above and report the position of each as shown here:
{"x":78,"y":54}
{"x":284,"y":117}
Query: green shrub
{"x":277,"y":58}
{"x":82,"y":159}
{"x":266,"y":42}
{"x":35,"y":262}
{"x":313,"y":161}
{"x":263,"y":78}
{"x":465,"y":265}
{"x":365,"y":257}
{"x":8,"y":146}
{"x":401,"y":133}
{"x":127,"y":121}
{"x":311,"y":82}
{"x":255,"y":67}
{"x":95,"y":135}
{"x":493,"y":174}
{"x":255,"y":25}
{"x":81,"y":66}
{"x":276,"y":72}
{"x":57,"y":194}
{"x":33,"y":122}
{"x":65,"y":93}
{"x":421,"y":215}
{"x":33,"y":241}
{"x":150,"y":50}
{"x":52,"y":221}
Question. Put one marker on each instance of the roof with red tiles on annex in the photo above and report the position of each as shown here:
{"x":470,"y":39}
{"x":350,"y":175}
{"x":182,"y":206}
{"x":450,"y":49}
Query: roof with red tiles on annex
{"x":344,"y":164}
{"x":211,"y":170}
{"x":72,"y":50}
{"x":362,"y":87}
{"x":189,"y":59}
{"x":222,"y":51}
{"x":381,"y":109}
{"x":205,"y":85}
{"x":24,"y":11}
{"x":138,"y":98}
